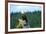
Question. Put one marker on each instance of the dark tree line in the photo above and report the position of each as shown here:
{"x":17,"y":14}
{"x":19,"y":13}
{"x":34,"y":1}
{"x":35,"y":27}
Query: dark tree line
{"x":34,"y":19}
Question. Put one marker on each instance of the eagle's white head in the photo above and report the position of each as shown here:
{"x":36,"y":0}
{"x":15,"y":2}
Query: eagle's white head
{"x":22,"y":12}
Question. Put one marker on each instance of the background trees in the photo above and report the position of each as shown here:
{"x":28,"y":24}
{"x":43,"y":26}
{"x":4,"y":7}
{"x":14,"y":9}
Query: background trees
{"x":34,"y":19}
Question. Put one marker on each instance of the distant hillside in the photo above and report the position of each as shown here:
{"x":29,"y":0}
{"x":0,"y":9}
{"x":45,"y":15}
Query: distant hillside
{"x":34,"y":19}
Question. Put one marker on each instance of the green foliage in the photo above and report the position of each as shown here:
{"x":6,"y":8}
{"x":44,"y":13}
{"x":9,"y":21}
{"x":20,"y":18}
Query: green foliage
{"x":34,"y":19}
